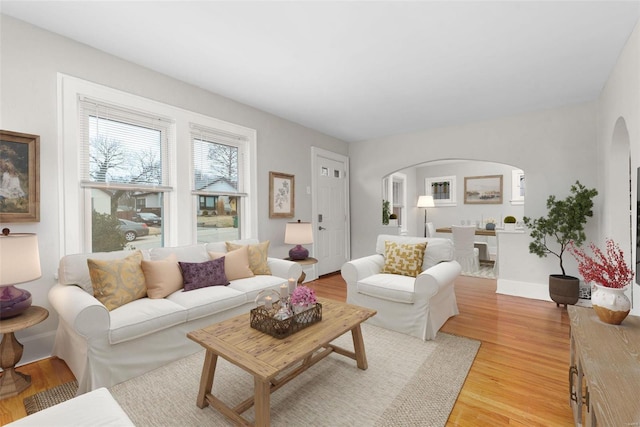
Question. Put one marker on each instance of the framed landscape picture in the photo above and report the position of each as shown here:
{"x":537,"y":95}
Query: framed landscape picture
{"x":281,"y":195}
{"x":483,"y":189}
{"x":19,"y":177}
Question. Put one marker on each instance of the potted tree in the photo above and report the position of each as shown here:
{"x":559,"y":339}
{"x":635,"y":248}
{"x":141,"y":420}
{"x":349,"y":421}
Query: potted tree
{"x":386,"y":212}
{"x":563,"y":224}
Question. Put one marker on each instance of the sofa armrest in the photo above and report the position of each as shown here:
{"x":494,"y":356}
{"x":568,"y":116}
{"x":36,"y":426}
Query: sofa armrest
{"x":433,"y":279}
{"x":359,"y":268}
{"x":284,"y":268}
{"x":80,"y":310}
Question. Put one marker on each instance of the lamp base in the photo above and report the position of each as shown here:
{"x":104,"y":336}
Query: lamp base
{"x":298,"y":253}
{"x":13,"y":301}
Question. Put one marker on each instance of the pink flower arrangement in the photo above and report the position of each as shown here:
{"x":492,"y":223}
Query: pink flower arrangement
{"x":608,"y":270}
{"x":303,"y":295}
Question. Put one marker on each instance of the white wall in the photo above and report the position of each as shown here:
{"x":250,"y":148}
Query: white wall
{"x":30,"y":59}
{"x":554,"y":147}
{"x":619,"y":103}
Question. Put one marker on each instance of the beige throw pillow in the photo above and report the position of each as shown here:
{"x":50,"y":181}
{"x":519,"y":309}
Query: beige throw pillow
{"x":257,"y":256}
{"x":117,"y":282}
{"x":163,"y":277}
{"x":236,"y":263}
{"x":402,"y":258}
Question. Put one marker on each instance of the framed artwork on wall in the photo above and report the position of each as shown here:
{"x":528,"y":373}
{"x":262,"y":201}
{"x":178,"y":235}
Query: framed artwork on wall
{"x":281,"y":195}
{"x":19,"y":177}
{"x":443,"y":190}
{"x":483,"y":190}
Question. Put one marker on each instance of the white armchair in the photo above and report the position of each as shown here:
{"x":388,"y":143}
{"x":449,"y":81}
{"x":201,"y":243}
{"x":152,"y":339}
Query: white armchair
{"x":415,"y":306}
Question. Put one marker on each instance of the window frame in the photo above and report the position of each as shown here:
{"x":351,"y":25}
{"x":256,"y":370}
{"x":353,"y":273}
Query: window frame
{"x":180,"y":203}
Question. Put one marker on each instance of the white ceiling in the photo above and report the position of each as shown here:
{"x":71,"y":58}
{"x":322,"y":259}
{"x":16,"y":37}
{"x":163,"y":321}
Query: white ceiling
{"x":361,"y":70}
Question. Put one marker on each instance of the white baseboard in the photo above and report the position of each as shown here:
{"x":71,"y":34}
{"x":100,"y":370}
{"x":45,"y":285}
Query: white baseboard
{"x":523,"y":289}
{"x":36,"y":347}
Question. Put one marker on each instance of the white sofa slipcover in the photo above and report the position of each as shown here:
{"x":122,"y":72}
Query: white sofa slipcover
{"x":415,"y":306}
{"x":103,"y":348}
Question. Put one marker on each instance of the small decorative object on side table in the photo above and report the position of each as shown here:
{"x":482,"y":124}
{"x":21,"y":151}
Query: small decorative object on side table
{"x":13,"y":382}
{"x":303,"y":262}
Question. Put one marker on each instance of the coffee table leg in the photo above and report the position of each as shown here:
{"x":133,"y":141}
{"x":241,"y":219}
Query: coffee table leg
{"x":206,"y":380}
{"x":262,"y":402}
{"x":358,"y":346}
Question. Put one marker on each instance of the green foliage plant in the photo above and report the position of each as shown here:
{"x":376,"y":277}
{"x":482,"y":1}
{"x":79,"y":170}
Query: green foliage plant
{"x":386,"y":211}
{"x":563,"y":224}
{"x":509,"y":219}
{"x":105,"y":232}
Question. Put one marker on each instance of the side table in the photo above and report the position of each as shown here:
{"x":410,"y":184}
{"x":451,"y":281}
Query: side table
{"x":303,"y":262}
{"x":13,"y":382}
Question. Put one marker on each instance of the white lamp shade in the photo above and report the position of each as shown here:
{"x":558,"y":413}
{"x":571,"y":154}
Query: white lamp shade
{"x":425,"y":202}
{"x":19,"y":258}
{"x":298,"y":233}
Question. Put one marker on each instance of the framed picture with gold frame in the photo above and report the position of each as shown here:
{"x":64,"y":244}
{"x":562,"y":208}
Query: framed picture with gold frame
{"x":19,"y":177}
{"x":483,"y":189}
{"x":281,"y":195}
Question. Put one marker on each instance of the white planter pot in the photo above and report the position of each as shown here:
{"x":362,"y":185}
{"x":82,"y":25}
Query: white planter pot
{"x":611,"y":304}
{"x":393,"y":222}
{"x":509,"y":227}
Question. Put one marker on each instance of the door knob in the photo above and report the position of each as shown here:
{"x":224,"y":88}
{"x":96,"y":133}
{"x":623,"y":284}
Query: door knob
{"x":321,"y":228}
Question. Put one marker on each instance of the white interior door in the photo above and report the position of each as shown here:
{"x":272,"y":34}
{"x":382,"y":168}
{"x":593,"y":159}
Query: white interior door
{"x":330,"y":210}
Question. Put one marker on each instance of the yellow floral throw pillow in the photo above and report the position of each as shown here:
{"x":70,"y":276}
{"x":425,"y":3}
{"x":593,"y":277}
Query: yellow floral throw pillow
{"x":257,"y":256}
{"x":117,"y":282}
{"x":403,"y":258}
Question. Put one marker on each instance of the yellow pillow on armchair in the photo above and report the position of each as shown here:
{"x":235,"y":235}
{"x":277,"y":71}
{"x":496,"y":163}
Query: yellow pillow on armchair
{"x":403,"y":258}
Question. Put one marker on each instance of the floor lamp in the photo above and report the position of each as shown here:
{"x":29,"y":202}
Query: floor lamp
{"x":425,"y":202}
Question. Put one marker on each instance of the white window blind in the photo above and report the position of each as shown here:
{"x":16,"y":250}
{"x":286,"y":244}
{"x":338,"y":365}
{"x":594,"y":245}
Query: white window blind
{"x":122,"y":148}
{"x":218,"y":162}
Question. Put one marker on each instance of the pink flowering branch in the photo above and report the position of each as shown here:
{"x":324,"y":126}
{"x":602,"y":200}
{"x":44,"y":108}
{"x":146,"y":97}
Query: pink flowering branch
{"x":608,"y":270}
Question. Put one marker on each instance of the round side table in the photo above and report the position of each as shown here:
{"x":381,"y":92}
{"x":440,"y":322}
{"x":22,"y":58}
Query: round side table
{"x":303,"y":262}
{"x":13,"y":382}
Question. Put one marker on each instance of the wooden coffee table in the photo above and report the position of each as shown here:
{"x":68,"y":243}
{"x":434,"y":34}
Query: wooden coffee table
{"x":274,"y":362}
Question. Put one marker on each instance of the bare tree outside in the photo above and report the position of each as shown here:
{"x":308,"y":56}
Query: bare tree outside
{"x":224,"y":161}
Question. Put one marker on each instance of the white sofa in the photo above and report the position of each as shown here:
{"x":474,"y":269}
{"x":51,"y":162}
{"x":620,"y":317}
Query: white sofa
{"x":103,"y":348}
{"x":415,"y":306}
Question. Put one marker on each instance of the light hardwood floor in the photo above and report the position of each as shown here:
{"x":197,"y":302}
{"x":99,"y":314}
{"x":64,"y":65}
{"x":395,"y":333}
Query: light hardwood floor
{"x":519,"y":377}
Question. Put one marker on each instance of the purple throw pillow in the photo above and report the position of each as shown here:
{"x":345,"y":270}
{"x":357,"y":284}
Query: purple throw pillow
{"x":203,"y":274}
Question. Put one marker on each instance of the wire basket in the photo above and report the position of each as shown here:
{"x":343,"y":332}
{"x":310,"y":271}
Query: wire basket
{"x":263,"y":320}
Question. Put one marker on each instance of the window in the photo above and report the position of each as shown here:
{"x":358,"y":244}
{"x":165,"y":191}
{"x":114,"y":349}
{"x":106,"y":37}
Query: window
{"x":395,"y":190}
{"x":218,"y":183}
{"x":517,"y":187}
{"x":124,"y":155}
{"x":443,"y":190}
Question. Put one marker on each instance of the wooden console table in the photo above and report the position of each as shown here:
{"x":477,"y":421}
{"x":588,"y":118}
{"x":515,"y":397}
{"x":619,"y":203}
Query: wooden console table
{"x":604,"y":375}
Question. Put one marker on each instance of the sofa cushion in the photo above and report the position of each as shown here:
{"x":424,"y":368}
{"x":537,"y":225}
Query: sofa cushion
{"x":253,"y":285}
{"x":117,"y":282}
{"x":403,"y":258}
{"x":208,"y":301}
{"x":258,"y":254}
{"x":391,"y":287}
{"x":73,"y":269}
{"x":438,"y":249}
{"x":198,"y":275}
{"x":143,"y":317}
{"x":236,"y":263}
{"x":189,"y":253}
{"x":162,"y":277}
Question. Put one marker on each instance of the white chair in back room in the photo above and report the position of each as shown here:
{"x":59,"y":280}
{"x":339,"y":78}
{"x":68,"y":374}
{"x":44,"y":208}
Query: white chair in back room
{"x":431,"y":230}
{"x":464,"y":250}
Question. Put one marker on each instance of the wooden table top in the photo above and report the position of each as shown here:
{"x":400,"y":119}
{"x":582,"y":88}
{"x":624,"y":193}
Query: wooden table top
{"x":265,"y":356}
{"x":31,"y":316}
{"x":479,"y":231}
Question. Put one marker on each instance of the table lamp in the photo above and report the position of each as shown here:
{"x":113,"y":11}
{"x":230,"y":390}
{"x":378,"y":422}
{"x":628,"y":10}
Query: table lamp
{"x":425,"y":202}
{"x":298,"y":233}
{"x":19,"y":263}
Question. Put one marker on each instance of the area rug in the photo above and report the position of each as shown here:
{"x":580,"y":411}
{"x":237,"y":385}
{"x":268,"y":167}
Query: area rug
{"x":485,"y":272}
{"x":408,"y":382}
{"x":53,"y":396}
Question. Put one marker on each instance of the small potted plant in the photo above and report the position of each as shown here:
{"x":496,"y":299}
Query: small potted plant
{"x":393,"y":220}
{"x":509,"y":223}
{"x":386,"y":212}
{"x":302,"y":298}
{"x":610,"y":275}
